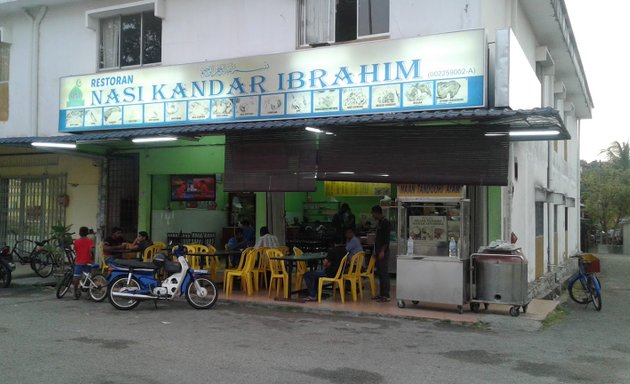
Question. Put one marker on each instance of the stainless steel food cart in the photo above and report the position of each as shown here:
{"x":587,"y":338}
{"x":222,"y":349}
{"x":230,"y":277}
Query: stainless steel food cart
{"x":426,"y":273}
{"x":499,"y":277}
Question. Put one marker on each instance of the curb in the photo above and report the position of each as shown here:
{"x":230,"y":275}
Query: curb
{"x":288,"y":307}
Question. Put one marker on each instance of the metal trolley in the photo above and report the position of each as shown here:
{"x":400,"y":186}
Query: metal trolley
{"x":499,"y":277}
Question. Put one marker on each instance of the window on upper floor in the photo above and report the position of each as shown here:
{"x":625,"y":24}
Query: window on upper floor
{"x":130,"y":40}
{"x":4,"y":81}
{"x":334,"y":21}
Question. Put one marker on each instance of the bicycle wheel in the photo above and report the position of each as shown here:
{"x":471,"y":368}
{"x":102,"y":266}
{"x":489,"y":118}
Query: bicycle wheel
{"x":119,"y":284}
{"x":597,"y":296}
{"x":578,"y":291}
{"x":98,"y":287}
{"x":202,"y":298}
{"x":5,"y":275}
{"x":64,"y":284}
{"x":42,"y":263}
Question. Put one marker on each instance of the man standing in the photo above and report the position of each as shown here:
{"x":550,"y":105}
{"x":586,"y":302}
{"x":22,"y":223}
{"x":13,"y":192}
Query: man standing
{"x":381,"y":252}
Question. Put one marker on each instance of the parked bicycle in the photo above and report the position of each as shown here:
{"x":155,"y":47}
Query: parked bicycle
{"x":37,"y":257}
{"x":584,"y":287}
{"x":92,"y":282}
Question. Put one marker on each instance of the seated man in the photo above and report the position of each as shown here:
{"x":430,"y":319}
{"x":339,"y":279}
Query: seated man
{"x":236,"y":243}
{"x":249,"y":232}
{"x":331,"y":265}
{"x":114,"y":242}
{"x":141,"y":242}
{"x":353,"y":244}
{"x":266,"y":239}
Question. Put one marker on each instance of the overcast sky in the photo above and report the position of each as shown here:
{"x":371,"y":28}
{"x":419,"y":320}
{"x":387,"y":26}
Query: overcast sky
{"x":600,"y":29}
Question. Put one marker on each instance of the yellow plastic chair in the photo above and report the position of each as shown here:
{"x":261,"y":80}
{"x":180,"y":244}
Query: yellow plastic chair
{"x":245,"y":274}
{"x":279,"y":273}
{"x":239,"y":268}
{"x":150,"y":252}
{"x":284,"y":249}
{"x":261,"y":268}
{"x":160,"y":244}
{"x":101,"y":254}
{"x":353,"y":276}
{"x":369,"y":274}
{"x":337,"y":279}
{"x":195,"y":261}
{"x":301,"y":269}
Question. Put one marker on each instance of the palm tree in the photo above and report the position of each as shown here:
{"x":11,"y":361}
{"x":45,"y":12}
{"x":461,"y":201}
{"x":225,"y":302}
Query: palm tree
{"x":618,"y":154}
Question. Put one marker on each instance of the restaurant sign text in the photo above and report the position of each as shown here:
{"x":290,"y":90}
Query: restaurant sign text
{"x":421,"y":73}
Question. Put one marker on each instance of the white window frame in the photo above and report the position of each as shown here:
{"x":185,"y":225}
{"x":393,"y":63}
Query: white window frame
{"x":331,"y":41}
{"x":94,"y":16}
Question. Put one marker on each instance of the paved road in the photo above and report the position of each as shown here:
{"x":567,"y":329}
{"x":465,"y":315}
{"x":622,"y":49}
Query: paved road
{"x":45,"y":340}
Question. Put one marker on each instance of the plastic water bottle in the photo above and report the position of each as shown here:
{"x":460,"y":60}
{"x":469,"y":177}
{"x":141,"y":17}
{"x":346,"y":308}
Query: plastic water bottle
{"x":452,"y":248}
{"x":410,"y":246}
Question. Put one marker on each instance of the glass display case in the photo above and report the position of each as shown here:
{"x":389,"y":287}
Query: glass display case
{"x":433,"y":251}
{"x":434,"y":229}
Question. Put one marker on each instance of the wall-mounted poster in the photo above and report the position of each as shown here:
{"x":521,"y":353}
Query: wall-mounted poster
{"x":427,"y":228}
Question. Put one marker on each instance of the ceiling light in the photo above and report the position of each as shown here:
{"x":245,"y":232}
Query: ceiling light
{"x":346,"y":173}
{"x":535,"y":133}
{"x":153,"y":139}
{"x":329,"y":133}
{"x":313,"y":129}
{"x":494,"y":134}
{"x":54,"y":145}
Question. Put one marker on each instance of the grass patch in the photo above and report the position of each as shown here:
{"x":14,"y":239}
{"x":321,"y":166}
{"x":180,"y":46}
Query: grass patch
{"x":555,"y":317}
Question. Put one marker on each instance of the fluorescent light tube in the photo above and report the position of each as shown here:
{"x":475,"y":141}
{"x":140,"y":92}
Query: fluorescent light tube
{"x":54,"y":145}
{"x":153,"y":139}
{"x":534,"y":133}
{"x":312,"y":129}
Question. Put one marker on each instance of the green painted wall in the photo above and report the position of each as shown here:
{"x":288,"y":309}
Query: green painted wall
{"x":157,"y":164}
{"x":494,"y":213}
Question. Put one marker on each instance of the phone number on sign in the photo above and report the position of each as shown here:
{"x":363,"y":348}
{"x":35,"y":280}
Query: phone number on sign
{"x":452,"y":72}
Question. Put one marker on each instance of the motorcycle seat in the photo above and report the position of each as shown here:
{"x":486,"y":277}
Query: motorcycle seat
{"x":133,"y":264}
{"x":172,"y":267}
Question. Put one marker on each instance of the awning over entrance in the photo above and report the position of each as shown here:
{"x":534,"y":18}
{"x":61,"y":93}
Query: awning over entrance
{"x":448,"y":147}
{"x":519,"y":125}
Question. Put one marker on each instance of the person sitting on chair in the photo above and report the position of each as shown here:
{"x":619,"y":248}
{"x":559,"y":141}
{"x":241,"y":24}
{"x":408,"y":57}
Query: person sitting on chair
{"x":266,"y":239}
{"x":141,"y":242}
{"x":237,"y":243}
{"x":331,"y":265}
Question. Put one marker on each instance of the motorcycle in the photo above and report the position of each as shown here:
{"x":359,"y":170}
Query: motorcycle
{"x":132,"y":281}
{"x":6,"y":266}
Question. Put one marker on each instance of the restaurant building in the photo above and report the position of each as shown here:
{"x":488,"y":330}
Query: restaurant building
{"x":281,"y":110}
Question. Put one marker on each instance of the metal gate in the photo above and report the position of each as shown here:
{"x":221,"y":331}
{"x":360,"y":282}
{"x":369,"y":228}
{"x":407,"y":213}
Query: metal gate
{"x":29,"y":206}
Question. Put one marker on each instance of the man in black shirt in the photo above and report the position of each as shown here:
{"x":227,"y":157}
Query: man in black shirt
{"x":331,"y":265}
{"x":381,"y":252}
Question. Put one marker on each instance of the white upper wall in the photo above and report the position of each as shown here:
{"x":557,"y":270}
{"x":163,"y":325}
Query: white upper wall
{"x":199,"y":30}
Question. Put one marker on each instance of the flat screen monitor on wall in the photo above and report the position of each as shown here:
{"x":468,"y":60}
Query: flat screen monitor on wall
{"x":193,"y":187}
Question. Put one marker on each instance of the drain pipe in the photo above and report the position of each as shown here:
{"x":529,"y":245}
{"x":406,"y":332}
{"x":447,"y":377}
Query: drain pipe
{"x":548,"y":94}
{"x":37,"y":21}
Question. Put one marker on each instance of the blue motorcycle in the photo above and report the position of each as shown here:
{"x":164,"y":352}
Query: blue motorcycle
{"x":132,"y":281}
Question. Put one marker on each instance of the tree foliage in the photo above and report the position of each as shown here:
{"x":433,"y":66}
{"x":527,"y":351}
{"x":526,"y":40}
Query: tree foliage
{"x":606,"y":187}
